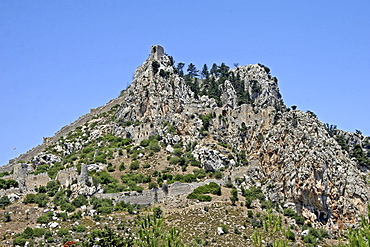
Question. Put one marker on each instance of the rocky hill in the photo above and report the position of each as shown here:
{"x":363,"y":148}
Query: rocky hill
{"x":170,"y":133}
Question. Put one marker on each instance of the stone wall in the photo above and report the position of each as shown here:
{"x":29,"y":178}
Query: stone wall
{"x":150,"y":197}
{"x":66,"y":176}
{"x":34,"y":181}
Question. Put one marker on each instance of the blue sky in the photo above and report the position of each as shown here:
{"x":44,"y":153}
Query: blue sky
{"x":59,"y":59}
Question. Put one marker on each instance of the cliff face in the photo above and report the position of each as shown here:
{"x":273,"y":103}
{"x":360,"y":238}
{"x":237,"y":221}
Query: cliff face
{"x":235,"y":121}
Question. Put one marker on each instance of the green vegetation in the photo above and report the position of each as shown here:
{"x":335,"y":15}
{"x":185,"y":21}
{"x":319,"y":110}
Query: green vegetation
{"x":7,"y":184}
{"x":4,"y":201}
{"x":199,"y":193}
{"x":294,"y":215}
{"x":3,"y":174}
{"x":40,"y":198}
{"x":360,"y":155}
{"x":252,"y":194}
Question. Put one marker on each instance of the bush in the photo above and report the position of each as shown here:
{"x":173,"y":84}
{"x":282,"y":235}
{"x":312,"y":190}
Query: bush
{"x":252,"y":194}
{"x":79,"y":201}
{"x":46,"y":218}
{"x":79,"y":228}
{"x":218,"y":174}
{"x":28,"y":233}
{"x":153,"y":185}
{"x":135,"y":165}
{"x":211,"y":188}
{"x":19,"y":241}
{"x":67,"y":207}
{"x":225,"y":229}
{"x":122,"y":166}
{"x":111,"y":168}
{"x":76,"y":216}
{"x":175,"y":160}
{"x":62,"y":232}
{"x":6,"y":184}
{"x":144,"y":143}
{"x":178,"y":152}
{"x":38,"y":232}
{"x":199,"y":173}
{"x":157,"y":212}
{"x":105,"y":178}
{"x":154,"y":146}
{"x":52,"y":187}
{"x":105,"y":210}
{"x":200,"y":197}
{"x":4,"y":201}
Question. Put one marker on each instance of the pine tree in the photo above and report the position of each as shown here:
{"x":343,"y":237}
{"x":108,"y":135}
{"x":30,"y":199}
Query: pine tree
{"x":193,"y":72}
{"x":205,"y":72}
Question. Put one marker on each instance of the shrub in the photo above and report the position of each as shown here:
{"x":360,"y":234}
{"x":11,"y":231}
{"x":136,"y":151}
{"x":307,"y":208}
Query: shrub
{"x":6,"y":184}
{"x":105,"y":210}
{"x":178,"y":152}
{"x":122,"y":166}
{"x":211,"y":188}
{"x":135,"y":165}
{"x":225,"y":229}
{"x":52,"y":187}
{"x":46,"y":218}
{"x":111,"y":168}
{"x":79,"y":228}
{"x":28,"y":233}
{"x":76,"y":216}
{"x":154,"y":146}
{"x":4,"y":201}
{"x":174,"y":160}
{"x":199,"y":173}
{"x":200,"y":197}
{"x":38,"y":232}
{"x":144,"y":143}
{"x":19,"y":241}
{"x":218,"y":174}
{"x":157,"y":212}
{"x":138,"y":189}
{"x":105,"y":177}
{"x":62,"y":232}
{"x":67,"y":207}
{"x":79,"y":201}
{"x":234,"y":196}
{"x":153,"y":185}
{"x":41,"y":169}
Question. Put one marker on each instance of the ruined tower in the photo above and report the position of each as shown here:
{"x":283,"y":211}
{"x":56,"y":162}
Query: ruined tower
{"x":157,"y":51}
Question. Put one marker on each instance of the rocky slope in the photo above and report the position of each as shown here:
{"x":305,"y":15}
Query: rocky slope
{"x":232,"y":120}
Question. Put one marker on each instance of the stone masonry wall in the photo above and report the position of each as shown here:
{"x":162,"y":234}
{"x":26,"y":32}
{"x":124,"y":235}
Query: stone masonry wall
{"x":155,"y":195}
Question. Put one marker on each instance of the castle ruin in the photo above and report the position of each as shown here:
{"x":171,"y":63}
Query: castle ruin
{"x":157,"y":51}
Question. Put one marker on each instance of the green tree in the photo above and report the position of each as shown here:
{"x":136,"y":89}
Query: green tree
{"x":214,"y":70}
{"x":28,"y":233}
{"x":180,"y":67}
{"x":205,"y":73}
{"x":192,"y":71}
{"x":4,"y":201}
{"x":234,"y":196}
{"x":224,"y":70}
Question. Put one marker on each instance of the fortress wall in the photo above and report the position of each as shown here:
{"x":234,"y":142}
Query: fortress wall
{"x":34,"y":181}
{"x":66,"y":176}
{"x":155,"y":195}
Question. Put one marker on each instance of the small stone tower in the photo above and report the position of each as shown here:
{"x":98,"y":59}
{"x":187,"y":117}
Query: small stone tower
{"x":157,"y":51}
{"x":84,"y":175}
